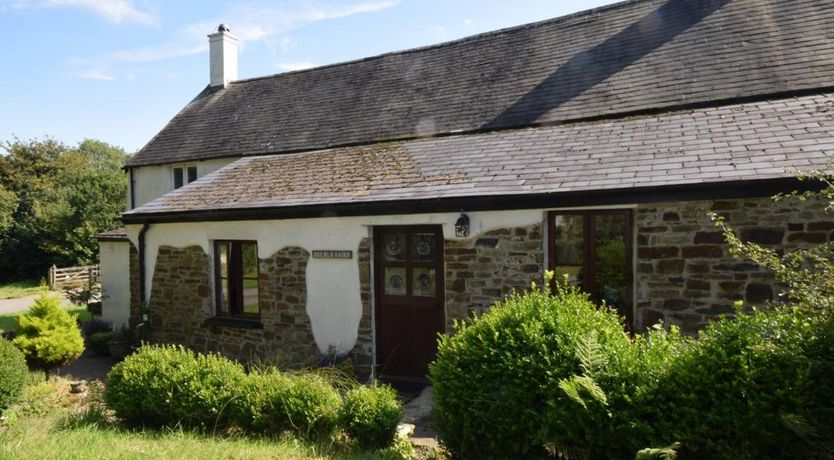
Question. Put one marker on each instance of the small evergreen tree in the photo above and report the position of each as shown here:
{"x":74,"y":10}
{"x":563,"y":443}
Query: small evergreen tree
{"x":48,"y":335}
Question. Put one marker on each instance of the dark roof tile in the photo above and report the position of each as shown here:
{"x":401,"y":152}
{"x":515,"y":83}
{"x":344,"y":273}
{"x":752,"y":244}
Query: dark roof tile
{"x":634,"y":56}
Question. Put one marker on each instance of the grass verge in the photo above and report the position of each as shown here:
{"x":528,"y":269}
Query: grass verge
{"x":19,"y":289}
{"x":8,"y":321}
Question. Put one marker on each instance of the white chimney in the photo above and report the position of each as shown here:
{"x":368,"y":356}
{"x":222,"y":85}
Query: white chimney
{"x":222,"y":56}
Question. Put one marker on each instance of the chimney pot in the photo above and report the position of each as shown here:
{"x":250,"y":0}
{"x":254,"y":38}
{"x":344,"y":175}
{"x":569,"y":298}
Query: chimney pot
{"x":222,"y":57}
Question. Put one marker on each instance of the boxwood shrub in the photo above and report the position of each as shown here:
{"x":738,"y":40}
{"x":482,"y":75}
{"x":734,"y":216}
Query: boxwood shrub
{"x":370,"y":415}
{"x":755,"y":386}
{"x":13,"y":374}
{"x":497,"y":379}
{"x":272,"y":402}
{"x":167,"y":385}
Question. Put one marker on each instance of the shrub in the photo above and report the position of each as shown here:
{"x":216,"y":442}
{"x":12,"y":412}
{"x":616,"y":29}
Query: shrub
{"x":168,"y":385}
{"x":95,"y":326}
{"x":275,"y":402}
{"x":370,"y":415}
{"x":756,"y":386}
{"x":13,"y":372}
{"x":496,"y":377}
{"x":48,"y":335}
{"x":99,"y":342}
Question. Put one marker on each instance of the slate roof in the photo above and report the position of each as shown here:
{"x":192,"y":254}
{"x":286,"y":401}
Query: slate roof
{"x":117,"y":234}
{"x":756,"y":140}
{"x":635,"y":56}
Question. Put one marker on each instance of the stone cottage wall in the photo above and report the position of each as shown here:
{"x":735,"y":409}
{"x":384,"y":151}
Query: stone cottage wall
{"x":685,"y":275}
{"x":363,"y":352}
{"x":181,"y":302}
{"x":481,"y":271}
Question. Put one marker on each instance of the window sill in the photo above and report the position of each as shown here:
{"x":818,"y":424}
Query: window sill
{"x":240,"y":323}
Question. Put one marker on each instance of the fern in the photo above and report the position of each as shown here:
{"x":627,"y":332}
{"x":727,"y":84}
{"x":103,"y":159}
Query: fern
{"x":583,"y":388}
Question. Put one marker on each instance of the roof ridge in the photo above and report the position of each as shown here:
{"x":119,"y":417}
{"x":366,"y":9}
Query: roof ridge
{"x":457,"y":41}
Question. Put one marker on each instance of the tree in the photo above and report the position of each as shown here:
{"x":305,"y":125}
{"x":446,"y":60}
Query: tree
{"x":54,"y":199}
{"x":48,"y":335}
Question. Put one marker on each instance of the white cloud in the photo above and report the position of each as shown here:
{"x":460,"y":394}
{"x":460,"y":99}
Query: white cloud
{"x":291,"y":66}
{"x":250,"y":22}
{"x":115,"y":11}
{"x":94,"y":74}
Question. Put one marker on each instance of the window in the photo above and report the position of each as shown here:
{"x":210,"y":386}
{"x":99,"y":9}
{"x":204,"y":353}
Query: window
{"x":594,"y":250}
{"x":184,"y":175}
{"x":236,"y":279}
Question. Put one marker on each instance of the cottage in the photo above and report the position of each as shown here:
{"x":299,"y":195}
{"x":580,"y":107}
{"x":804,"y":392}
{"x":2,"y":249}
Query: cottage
{"x":360,"y":208}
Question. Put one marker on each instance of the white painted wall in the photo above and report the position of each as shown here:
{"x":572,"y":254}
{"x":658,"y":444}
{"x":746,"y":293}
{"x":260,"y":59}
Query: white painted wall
{"x":115,"y":281}
{"x":151,"y":182}
{"x":333,"y":301}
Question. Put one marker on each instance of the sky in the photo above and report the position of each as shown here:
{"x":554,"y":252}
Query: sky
{"x":119,"y":70}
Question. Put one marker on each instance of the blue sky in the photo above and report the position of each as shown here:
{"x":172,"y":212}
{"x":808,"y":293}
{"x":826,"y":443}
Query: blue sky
{"x":118,"y":70}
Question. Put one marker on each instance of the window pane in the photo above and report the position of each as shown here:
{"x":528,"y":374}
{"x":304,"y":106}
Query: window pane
{"x":224,"y":296}
{"x":223,"y":259}
{"x":395,"y":281}
{"x":423,"y":284}
{"x":394,"y":246}
{"x":569,"y":238}
{"x":610,"y":259}
{"x":249,"y":256}
{"x":574,"y":274}
{"x":422,"y":246}
{"x":177,"y":177}
{"x":250,"y":296}
{"x":192,"y":173}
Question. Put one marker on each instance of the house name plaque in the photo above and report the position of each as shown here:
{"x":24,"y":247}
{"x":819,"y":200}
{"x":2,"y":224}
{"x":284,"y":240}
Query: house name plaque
{"x":332,"y":254}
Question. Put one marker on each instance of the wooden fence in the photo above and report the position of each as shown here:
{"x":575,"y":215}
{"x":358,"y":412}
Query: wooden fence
{"x":76,"y":277}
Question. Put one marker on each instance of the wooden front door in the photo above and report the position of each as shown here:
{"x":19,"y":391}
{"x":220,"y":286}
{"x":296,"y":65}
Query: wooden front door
{"x":409,"y":298}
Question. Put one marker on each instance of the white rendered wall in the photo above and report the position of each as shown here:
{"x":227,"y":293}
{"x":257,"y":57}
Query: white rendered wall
{"x":333,"y":301}
{"x":115,"y":281}
{"x":151,"y":182}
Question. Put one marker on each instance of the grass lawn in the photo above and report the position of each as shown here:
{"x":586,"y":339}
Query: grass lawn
{"x":19,"y":289}
{"x":51,"y":423}
{"x":8,"y":321}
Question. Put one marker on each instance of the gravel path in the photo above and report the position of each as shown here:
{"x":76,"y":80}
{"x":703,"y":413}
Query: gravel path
{"x":15,"y":305}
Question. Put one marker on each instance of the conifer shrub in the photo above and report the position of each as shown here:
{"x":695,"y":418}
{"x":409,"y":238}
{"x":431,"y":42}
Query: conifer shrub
{"x":273,"y":402}
{"x":166,"y":385}
{"x":370,"y":415}
{"x":48,"y":335}
{"x":13,"y":373}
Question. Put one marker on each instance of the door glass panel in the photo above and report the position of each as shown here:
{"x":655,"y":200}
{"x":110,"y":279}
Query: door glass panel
{"x":423,"y":284}
{"x":569,"y":235}
{"x":394,"y":247}
{"x":395,"y":281}
{"x":610,"y":259}
{"x":422,"y":246}
{"x":573,"y":273}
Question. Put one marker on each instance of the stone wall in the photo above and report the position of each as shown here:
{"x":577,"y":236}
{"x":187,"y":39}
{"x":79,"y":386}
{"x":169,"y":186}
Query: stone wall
{"x":362,"y":354}
{"x":135,"y":303}
{"x":182,"y":308}
{"x":481,"y":271}
{"x":685,"y":275}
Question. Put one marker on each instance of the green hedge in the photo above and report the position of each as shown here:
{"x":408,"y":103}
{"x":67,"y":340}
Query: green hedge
{"x":497,"y":379}
{"x":273,"y":402}
{"x":542,"y":374}
{"x":370,"y":415}
{"x":756,"y":386}
{"x":13,"y":374}
{"x":168,"y":385}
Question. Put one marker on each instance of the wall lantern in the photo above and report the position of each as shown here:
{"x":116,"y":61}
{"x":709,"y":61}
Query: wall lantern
{"x":462,"y":226}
